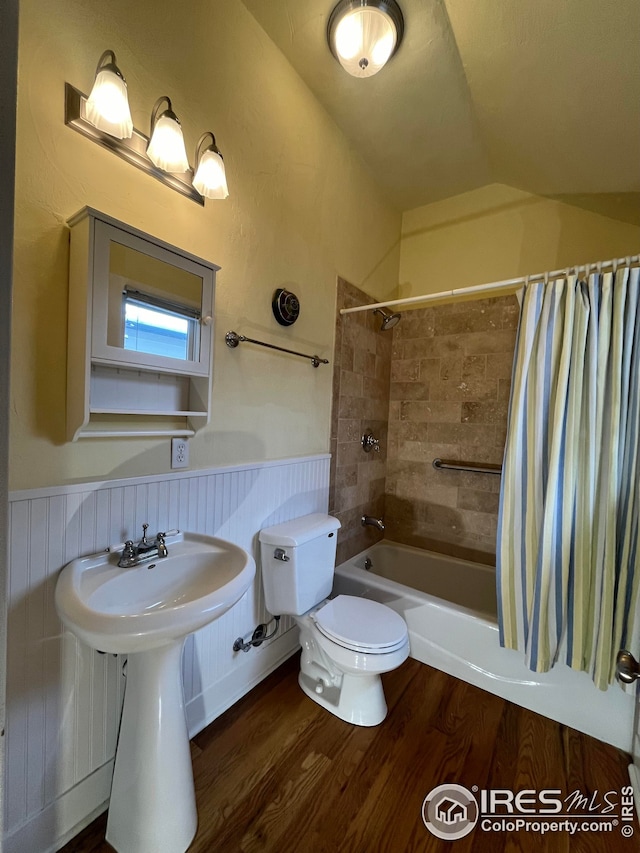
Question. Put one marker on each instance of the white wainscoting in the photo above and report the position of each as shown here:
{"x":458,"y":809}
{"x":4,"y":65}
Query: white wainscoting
{"x":63,"y":699}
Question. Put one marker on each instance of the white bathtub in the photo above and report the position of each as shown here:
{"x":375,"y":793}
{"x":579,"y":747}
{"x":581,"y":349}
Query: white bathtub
{"x":449,"y":606}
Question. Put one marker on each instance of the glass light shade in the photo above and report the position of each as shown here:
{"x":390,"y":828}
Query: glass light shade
{"x":166,"y":147}
{"x":107,"y":107}
{"x":210,"y":179}
{"x":363,"y":41}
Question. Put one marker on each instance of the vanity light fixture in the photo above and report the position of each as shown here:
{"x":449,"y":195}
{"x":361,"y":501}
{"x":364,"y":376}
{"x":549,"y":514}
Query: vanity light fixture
{"x":364,"y":34}
{"x":166,"y":148}
{"x":105,"y":118}
{"x":107,"y":107}
{"x":210,"y":178}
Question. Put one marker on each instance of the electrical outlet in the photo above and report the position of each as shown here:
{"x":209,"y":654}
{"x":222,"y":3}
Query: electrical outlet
{"x":179,"y":453}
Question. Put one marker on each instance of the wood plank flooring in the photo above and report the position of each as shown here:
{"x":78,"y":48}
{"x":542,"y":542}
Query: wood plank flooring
{"x":278,"y":774}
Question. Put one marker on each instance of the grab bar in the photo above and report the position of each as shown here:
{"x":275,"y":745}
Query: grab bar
{"x":466,"y":466}
{"x":232,"y":339}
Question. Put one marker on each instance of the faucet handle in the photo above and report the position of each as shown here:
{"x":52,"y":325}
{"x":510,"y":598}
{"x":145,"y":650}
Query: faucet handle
{"x":173,"y":532}
{"x":369,"y":442}
{"x":127,"y":551}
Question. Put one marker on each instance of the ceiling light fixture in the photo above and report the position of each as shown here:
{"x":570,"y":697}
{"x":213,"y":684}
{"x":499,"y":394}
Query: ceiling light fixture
{"x":166,"y":148}
{"x":107,"y":106}
{"x":210,"y":179}
{"x":364,"y":34}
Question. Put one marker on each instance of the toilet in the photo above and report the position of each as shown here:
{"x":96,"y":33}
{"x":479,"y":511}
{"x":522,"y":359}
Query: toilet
{"x":347,"y":642}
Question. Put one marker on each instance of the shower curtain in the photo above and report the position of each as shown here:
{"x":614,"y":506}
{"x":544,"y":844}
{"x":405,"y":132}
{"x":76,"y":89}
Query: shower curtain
{"x":568,"y":556}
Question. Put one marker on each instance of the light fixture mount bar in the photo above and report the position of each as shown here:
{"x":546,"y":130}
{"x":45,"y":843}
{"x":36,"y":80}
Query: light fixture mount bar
{"x":133,"y":150}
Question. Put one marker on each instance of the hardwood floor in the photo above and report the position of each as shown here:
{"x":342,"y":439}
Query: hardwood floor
{"x":278,"y":773}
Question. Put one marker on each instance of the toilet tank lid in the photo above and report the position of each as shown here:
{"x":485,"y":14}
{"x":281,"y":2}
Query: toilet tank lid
{"x":299,"y":530}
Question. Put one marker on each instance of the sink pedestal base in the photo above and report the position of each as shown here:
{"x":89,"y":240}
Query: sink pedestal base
{"x":153,"y":806}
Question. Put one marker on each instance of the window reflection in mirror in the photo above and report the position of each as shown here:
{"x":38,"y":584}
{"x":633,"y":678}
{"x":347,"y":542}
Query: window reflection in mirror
{"x":153,"y":307}
{"x":158,"y":327}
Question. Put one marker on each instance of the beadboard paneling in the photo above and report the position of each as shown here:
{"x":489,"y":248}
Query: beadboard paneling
{"x":64,"y":699}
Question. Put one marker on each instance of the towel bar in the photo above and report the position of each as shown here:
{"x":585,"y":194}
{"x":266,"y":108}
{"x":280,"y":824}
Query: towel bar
{"x":232,"y":339}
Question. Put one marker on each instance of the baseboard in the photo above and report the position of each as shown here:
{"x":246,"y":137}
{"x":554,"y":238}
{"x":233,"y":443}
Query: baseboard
{"x":63,"y":819}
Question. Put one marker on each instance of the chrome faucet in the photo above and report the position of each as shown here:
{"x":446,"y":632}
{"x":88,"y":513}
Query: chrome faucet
{"x":135,"y":553}
{"x":374,"y":522}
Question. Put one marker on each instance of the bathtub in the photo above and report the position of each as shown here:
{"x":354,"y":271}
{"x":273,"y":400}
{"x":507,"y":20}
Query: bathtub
{"x":449,"y":606}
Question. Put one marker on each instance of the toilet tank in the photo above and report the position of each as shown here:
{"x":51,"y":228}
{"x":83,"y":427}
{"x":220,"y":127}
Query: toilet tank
{"x":298,"y":559}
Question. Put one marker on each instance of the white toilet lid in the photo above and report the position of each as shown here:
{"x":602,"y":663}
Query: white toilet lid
{"x":361,"y":624}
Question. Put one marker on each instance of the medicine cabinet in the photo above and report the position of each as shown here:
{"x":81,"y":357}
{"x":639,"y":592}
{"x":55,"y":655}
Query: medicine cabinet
{"x":140,"y":338}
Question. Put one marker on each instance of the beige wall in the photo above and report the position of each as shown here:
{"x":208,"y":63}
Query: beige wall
{"x":497,"y":233}
{"x":302,"y":210}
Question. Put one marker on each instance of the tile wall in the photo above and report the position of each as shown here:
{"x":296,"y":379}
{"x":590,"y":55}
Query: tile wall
{"x":436,"y":386}
{"x":450,"y":380}
{"x":362,"y":366}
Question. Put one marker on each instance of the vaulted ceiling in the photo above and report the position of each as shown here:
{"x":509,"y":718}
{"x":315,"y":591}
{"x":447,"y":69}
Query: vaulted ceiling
{"x":542,"y":95}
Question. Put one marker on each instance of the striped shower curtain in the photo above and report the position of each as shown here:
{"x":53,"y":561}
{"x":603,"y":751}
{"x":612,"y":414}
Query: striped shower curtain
{"x":568,"y":556}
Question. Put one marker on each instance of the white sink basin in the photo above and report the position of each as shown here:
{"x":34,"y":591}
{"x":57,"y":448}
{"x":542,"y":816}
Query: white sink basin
{"x":146,"y":612}
{"x":155,"y":603}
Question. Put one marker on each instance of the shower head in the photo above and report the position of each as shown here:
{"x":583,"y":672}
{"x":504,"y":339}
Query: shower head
{"x":388,"y":320}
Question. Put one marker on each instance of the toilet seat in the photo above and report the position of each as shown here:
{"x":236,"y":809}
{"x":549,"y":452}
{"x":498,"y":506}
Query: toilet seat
{"x":361,"y":625}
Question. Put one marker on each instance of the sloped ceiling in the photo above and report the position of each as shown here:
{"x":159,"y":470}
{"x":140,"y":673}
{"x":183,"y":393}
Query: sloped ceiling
{"x":542,"y":95}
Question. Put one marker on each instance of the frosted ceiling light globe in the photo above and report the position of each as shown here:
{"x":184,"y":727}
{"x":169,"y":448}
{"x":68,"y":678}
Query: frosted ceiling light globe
{"x":166,"y":148}
{"x":210,"y":179}
{"x":364,"y":34}
{"x":383,"y":48}
{"x":349,"y":36}
{"x":107,"y":107}
{"x":364,"y":41}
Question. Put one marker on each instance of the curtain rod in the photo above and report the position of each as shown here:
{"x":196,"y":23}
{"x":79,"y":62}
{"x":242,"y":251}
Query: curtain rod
{"x":497,"y":285}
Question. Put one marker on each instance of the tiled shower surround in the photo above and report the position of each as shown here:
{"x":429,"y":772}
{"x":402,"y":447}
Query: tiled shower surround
{"x":450,"y":374}
{"x":362,"y":369}
{"x":450,"y":381}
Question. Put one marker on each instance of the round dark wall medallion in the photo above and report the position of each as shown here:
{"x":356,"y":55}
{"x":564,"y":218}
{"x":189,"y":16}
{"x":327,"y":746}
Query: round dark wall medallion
{"x":286,"y":308}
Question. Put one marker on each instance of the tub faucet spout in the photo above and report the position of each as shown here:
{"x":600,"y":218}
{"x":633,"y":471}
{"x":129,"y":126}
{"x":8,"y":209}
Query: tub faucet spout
{"x":374,"y":522}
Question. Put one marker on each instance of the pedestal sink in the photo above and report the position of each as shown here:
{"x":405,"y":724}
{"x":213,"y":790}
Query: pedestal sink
{"x":146,"y":612}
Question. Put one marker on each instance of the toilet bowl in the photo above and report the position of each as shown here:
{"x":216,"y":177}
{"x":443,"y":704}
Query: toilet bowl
{"x":347,"y":642}
{"x":342,"y":658}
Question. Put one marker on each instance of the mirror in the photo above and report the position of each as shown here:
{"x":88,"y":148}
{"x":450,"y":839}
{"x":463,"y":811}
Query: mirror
{"x":152,"y":303}
{"x":153,"y":307}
